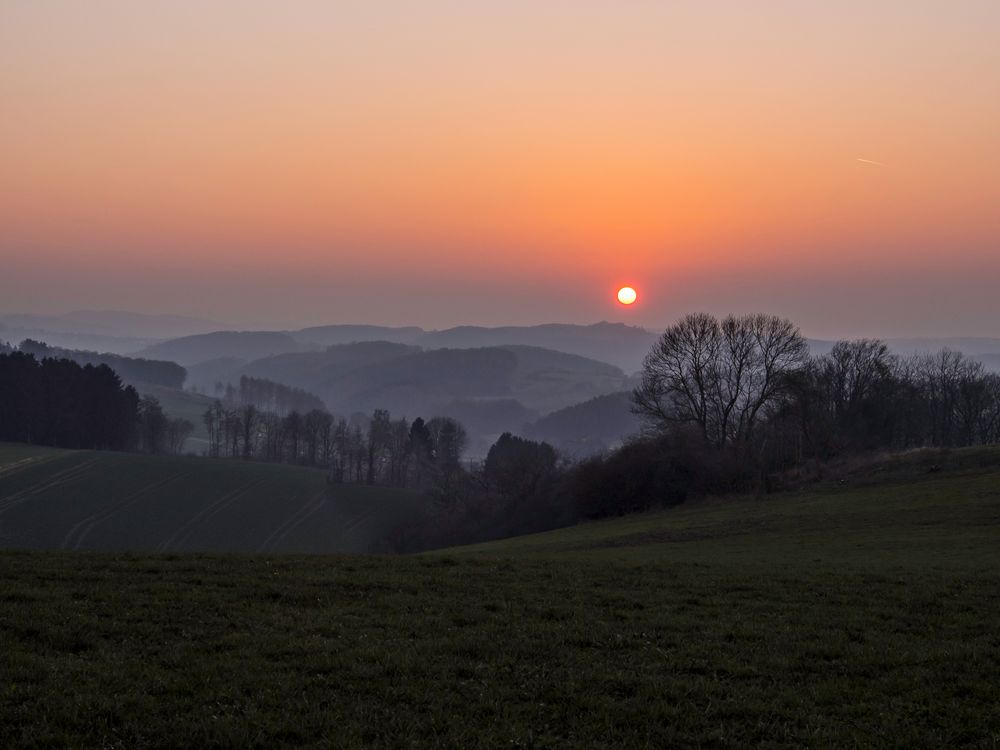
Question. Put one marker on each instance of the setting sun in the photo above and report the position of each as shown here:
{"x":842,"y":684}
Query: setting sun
{"x":627,"y":295}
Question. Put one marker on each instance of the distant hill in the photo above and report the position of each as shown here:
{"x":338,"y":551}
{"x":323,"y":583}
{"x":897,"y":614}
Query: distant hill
{"x":311,"y":370}
{"x":547,"y":380}
{"x":489,"y":389}
{"x":349,"y":334}
{"x":409,"y":380}
{"x":190,"y":350}
{"x":131,"y":370}
{"x":416,"y":384}
{"x":82,"y":341}
{"x":204,"y":376}
{"x":587,"y":428}
{"x":86,"y":500}
{"x":616,"y":343}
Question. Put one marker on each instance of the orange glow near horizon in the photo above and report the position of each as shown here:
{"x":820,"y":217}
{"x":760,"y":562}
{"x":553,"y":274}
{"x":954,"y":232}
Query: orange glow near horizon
{"x":476,"y":142}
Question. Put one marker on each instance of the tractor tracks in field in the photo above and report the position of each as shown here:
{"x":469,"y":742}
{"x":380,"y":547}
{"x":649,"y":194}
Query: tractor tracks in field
{"x":76,"y":535}
{"x":182,"y":534}
{"x":25,"y":463}
{"x":50,"y":482}
{"x":296,"y":519}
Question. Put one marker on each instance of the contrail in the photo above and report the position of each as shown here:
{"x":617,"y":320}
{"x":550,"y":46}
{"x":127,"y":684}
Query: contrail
{"x":869,"y":161}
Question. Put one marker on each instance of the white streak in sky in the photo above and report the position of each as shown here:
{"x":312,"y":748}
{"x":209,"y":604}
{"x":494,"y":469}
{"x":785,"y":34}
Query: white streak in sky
{"x":869,"y":161}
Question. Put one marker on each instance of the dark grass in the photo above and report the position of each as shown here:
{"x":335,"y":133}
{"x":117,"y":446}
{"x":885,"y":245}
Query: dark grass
{"x":795,"y":633}
{"x":119,"y":502}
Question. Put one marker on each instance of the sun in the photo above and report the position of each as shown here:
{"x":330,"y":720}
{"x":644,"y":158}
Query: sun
{"x":627,"y":295}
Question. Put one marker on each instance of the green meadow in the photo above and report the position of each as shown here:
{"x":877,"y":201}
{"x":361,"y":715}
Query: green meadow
{"x":862,"y":614}
{"x":105,"y":501}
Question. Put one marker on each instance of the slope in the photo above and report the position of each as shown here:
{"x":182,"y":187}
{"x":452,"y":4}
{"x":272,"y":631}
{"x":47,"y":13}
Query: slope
{"x":925,"y":509}
{"x":857,"y":617}
{"x":84,"y":500}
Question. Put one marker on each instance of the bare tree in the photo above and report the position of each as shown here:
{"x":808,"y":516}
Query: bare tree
{"x":379,"y":432}
{"x":248,"y":424}
{"x":316,"y":428}
{"x":178,"y":431}
{"x":723,"y":377}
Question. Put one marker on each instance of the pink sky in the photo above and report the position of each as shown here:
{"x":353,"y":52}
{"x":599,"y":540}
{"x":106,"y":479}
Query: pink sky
{"x":438,"y":163}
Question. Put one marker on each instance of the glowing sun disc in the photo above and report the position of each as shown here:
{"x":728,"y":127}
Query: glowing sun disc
{"x":627,"y":295}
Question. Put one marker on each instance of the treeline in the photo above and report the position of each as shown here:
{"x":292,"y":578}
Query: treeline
{"x":369,"y":450}
{"x":130,"y":369}
{"x":729,"y":404}
{"x":269,"y":396}
{"x":60,"y":403}
{"x":860,"y":397}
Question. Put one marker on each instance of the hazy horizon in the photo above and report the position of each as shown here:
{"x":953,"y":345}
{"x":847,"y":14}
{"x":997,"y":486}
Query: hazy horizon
{"x":221,"y":325}
{"x":443,"y":163}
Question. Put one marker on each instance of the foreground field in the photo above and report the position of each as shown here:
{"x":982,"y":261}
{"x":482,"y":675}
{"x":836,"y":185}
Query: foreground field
{"x":87,"y":500}
{"x":863,"y":616}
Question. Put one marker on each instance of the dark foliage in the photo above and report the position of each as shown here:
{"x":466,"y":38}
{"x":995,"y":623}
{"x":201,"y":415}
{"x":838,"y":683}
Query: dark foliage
{"x":655,"y":473}
{"x":129,"y":369}
{"x":58,"y":402}
{"x":267,"y":395}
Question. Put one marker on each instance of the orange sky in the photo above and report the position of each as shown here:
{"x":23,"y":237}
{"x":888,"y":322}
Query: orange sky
{"x":508,"y":162}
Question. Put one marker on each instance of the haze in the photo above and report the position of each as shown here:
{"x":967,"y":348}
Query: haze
{"x":510,"y":163}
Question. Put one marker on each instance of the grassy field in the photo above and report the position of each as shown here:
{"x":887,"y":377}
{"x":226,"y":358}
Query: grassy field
{"x":857,"y":616}
{"x":87,"y":500}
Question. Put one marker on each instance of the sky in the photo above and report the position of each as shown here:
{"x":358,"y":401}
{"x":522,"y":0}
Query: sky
{"x":439,"y":163}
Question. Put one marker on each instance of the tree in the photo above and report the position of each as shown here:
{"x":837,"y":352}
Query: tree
{"x":153,"y":425}
{"x":723,"y":377}
{"x":520,"y":470}
{"x":421,"y":451}
{"x":448,"y":440}
{"x":855,"y":385}
{"x":398,"y":450}
{"x":178,"y":431}
{"x":378,"y":439}
{"x":247,"y":415}
{"x":292,"y":431}
{"x":316,"y":425}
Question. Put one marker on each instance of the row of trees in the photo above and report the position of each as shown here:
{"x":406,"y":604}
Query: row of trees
{"x":726,"y":403}
{"x":268,"y":395}
{"x":60,"y":403}
{"x":744,"y":380}
{"x":861,"y":397}
{"x":370,"y":450}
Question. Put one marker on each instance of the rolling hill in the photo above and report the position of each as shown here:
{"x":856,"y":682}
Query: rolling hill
{"x":192,"y":350}
{"x":350,"y":334}
{"x":857,"y":615}
{"x":589,"y":427}
{"x":490,"y":390}
{"x":616,"y":343}
{"x":117,"y":332}
{"x":924,"y":509}
{"x":314,"y":370}
{"x":84,"y":500}
{"x":621,"y":345}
